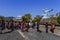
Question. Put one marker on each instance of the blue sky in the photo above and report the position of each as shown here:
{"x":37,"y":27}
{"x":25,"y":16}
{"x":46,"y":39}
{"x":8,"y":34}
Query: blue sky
{"x":21,"y":7}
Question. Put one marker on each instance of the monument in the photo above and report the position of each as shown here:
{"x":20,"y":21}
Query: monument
{"x":47,"y":13}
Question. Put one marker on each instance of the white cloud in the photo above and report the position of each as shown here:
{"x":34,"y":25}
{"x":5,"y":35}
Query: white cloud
{"x":46,"y":11}
{"x":19,"y":16}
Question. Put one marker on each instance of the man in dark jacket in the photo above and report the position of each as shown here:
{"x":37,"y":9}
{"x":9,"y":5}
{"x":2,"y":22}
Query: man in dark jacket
{"x":0,"y":26}
{"x":38,"y":23}
{"x":11,"y":25}
{"x":46,"y":26}
{"x":3,"y":24}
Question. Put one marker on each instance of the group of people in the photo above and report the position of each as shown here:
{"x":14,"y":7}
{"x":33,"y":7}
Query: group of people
{"x":12,"y":25}
{"x":6,"y":25}
{"x":46,"y":27}
{"x":51,"y":29}
{"x":23,"y":26}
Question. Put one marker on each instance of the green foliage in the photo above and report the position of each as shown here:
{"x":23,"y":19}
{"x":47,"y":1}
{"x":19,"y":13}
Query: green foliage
{"x":52,"y":18}
{"x":58,"y":19}
{"x":10,"y":18}
{"x":23,"y":18}
{"x":34,"y":20}
{"x":26,"y":17}
{"x":1,"y":17}
{"x":37,"y":18}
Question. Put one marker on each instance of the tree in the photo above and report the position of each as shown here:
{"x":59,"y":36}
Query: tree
{"x":1,"y":17}
{"x":23,"y":18}
{"x":52,"y":18}
{"x":37,"y":18}
{"x":58,"y":19}
{"x":26,"y":17}
{"x":10,"y":18}
{"x":34,"y":20}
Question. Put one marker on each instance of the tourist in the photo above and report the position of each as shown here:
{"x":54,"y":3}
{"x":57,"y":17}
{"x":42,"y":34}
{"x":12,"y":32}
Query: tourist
{"x":11,"y":25}
{"x":20,"y":24}
{"x":3,"y":24}
{"x":38,"y":23}
{"x":25,"y":26}
{"x":52,"y":27}
{"x":46,"y":26}
{"x":0,"y":26}
{"x":33,"y":25}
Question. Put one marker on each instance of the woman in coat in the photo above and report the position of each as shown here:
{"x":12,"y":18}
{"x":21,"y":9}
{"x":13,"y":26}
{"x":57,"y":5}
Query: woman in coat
{"x":52,"y":27}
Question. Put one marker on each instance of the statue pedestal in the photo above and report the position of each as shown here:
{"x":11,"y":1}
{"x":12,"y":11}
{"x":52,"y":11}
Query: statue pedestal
{"x":45,"y":16}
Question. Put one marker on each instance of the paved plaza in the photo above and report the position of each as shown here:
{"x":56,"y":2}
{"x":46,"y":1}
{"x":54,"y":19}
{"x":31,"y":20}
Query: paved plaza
{"x":31,"y":35}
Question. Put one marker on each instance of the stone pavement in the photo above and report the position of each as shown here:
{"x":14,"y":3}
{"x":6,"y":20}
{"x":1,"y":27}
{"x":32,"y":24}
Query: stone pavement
{"x":56,"y":31}
{"x":34,"y":35}
{"x":11,"y":36}
{"x":31,"y":35}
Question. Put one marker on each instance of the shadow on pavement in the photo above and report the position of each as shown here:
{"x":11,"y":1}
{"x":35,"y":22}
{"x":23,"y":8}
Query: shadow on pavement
{"x":39,"y":31}
{"x":7,"y":32}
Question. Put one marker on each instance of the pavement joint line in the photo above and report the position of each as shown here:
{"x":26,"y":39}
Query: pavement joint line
{"x":22,"y":34}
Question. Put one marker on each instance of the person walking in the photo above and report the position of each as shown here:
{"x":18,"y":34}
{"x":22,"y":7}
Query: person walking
{"x":0,"y":26}
{"x":3,"y":24}
{"x":33,"y":25}
{"x":14,"y":25}
{"x":25,"y":27}
{"x":46,"y":26}
{"x":6,"y":25}
{"x":52,"y":27}
{"x":38,"y":23}
{"x":20,"y":24}
{"x":11,"y":25}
